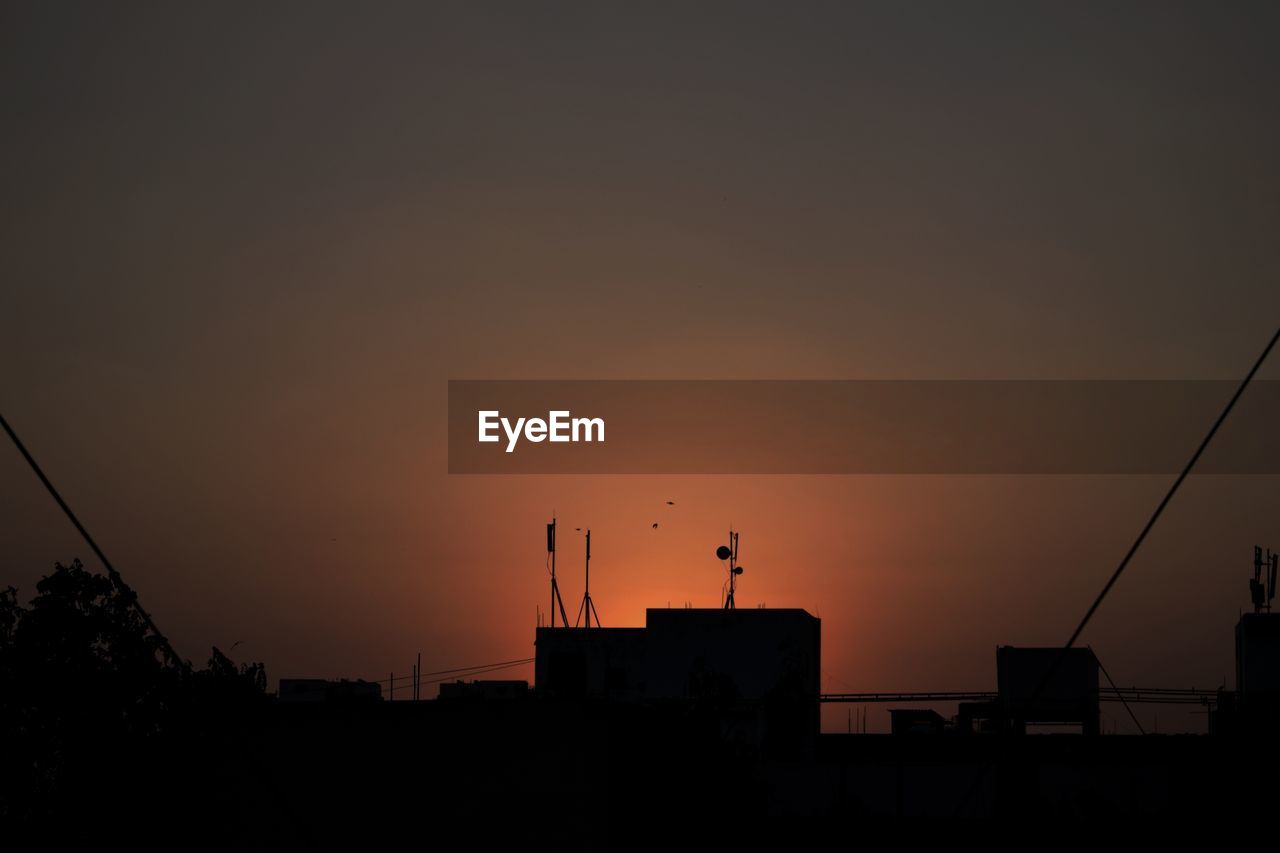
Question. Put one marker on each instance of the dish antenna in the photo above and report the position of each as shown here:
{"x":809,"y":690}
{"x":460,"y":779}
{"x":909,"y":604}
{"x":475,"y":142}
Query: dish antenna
{"x":730,"y":553}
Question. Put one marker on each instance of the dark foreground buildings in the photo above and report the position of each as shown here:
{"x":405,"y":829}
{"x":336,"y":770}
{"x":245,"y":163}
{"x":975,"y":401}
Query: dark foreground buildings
{"x":701,"y":727}
{"x":705,"y":723}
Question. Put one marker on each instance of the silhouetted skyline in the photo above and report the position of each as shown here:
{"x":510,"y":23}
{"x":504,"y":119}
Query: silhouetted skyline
{"x":245,"y":249}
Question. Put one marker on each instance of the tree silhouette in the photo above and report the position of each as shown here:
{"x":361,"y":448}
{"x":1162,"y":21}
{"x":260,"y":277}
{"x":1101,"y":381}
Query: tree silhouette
{"x":92,"y":713}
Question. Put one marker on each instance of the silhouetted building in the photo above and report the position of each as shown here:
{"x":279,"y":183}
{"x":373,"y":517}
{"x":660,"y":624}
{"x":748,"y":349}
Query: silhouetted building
{"x":1254,"y":706}
{"x":322,"y":690}
{"x":1258,"y":655}
{"x":1068,"y":696}
{"x":757,"y":669}
{"x":487,"y":690}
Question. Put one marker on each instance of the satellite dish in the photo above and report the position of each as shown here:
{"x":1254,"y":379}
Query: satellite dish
{"x":723,"y":552}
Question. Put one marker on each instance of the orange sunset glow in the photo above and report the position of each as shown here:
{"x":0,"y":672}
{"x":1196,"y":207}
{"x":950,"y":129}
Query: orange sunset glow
{"x":245,"y":251}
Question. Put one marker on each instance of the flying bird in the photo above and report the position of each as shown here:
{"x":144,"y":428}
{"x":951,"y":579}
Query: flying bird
{"x":655,"y":525}
{"x":671,"y":503}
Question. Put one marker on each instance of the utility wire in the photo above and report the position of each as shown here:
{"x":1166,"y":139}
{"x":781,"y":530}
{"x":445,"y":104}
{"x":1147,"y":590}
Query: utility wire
{"x":1133,"y":549}
{"x":132,"y":597}
{"x":499,"y":664}
{"x":446,"y":675}
{"x":1151,"y":522}
{"x":1115,"y":576}
{"x":479,"y":672}
{"x":116,"y":579}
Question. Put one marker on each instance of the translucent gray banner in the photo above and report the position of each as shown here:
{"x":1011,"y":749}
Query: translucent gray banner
{"x":857,"y":427}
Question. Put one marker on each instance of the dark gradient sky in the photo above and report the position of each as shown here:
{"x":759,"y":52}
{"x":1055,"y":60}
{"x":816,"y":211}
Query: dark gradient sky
{"x":244,"y":248}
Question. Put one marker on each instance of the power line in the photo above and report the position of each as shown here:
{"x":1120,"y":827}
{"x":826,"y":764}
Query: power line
{"x":503,"y":663}
{"x":480,"y":672}
{"x":446,"y":675}
{"x":116,"y":579}
{"x":1133,"y":549}
{"x":132,"y":597}
{"x":1124,"y":564}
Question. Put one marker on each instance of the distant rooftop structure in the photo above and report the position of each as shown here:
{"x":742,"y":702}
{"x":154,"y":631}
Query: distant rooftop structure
{"x":916,"y":721}
{"x":1051,"y":686}
{"x":324,"y":690}
{"x":497,"y":689}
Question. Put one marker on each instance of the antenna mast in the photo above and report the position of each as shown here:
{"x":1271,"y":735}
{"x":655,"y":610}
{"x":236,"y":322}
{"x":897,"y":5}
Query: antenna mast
{"x":730,"y":552}
{"x":556,"y":601}
{"x":588,"y":607}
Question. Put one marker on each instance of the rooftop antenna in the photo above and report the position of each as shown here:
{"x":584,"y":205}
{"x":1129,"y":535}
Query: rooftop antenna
{"x":730,"y":552}
{"x":556,"y":601}
{"x":588,"y":606}
{"x":1271,"y":582}
{"x":1262,"y":586}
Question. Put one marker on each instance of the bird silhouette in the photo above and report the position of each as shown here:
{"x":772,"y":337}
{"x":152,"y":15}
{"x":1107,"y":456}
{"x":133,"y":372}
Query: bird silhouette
{"x":671,"y":503}
{"x":655,"y":525}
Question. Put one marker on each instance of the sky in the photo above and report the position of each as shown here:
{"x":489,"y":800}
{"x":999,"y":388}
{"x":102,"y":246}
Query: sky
{"x":245,"y":246}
